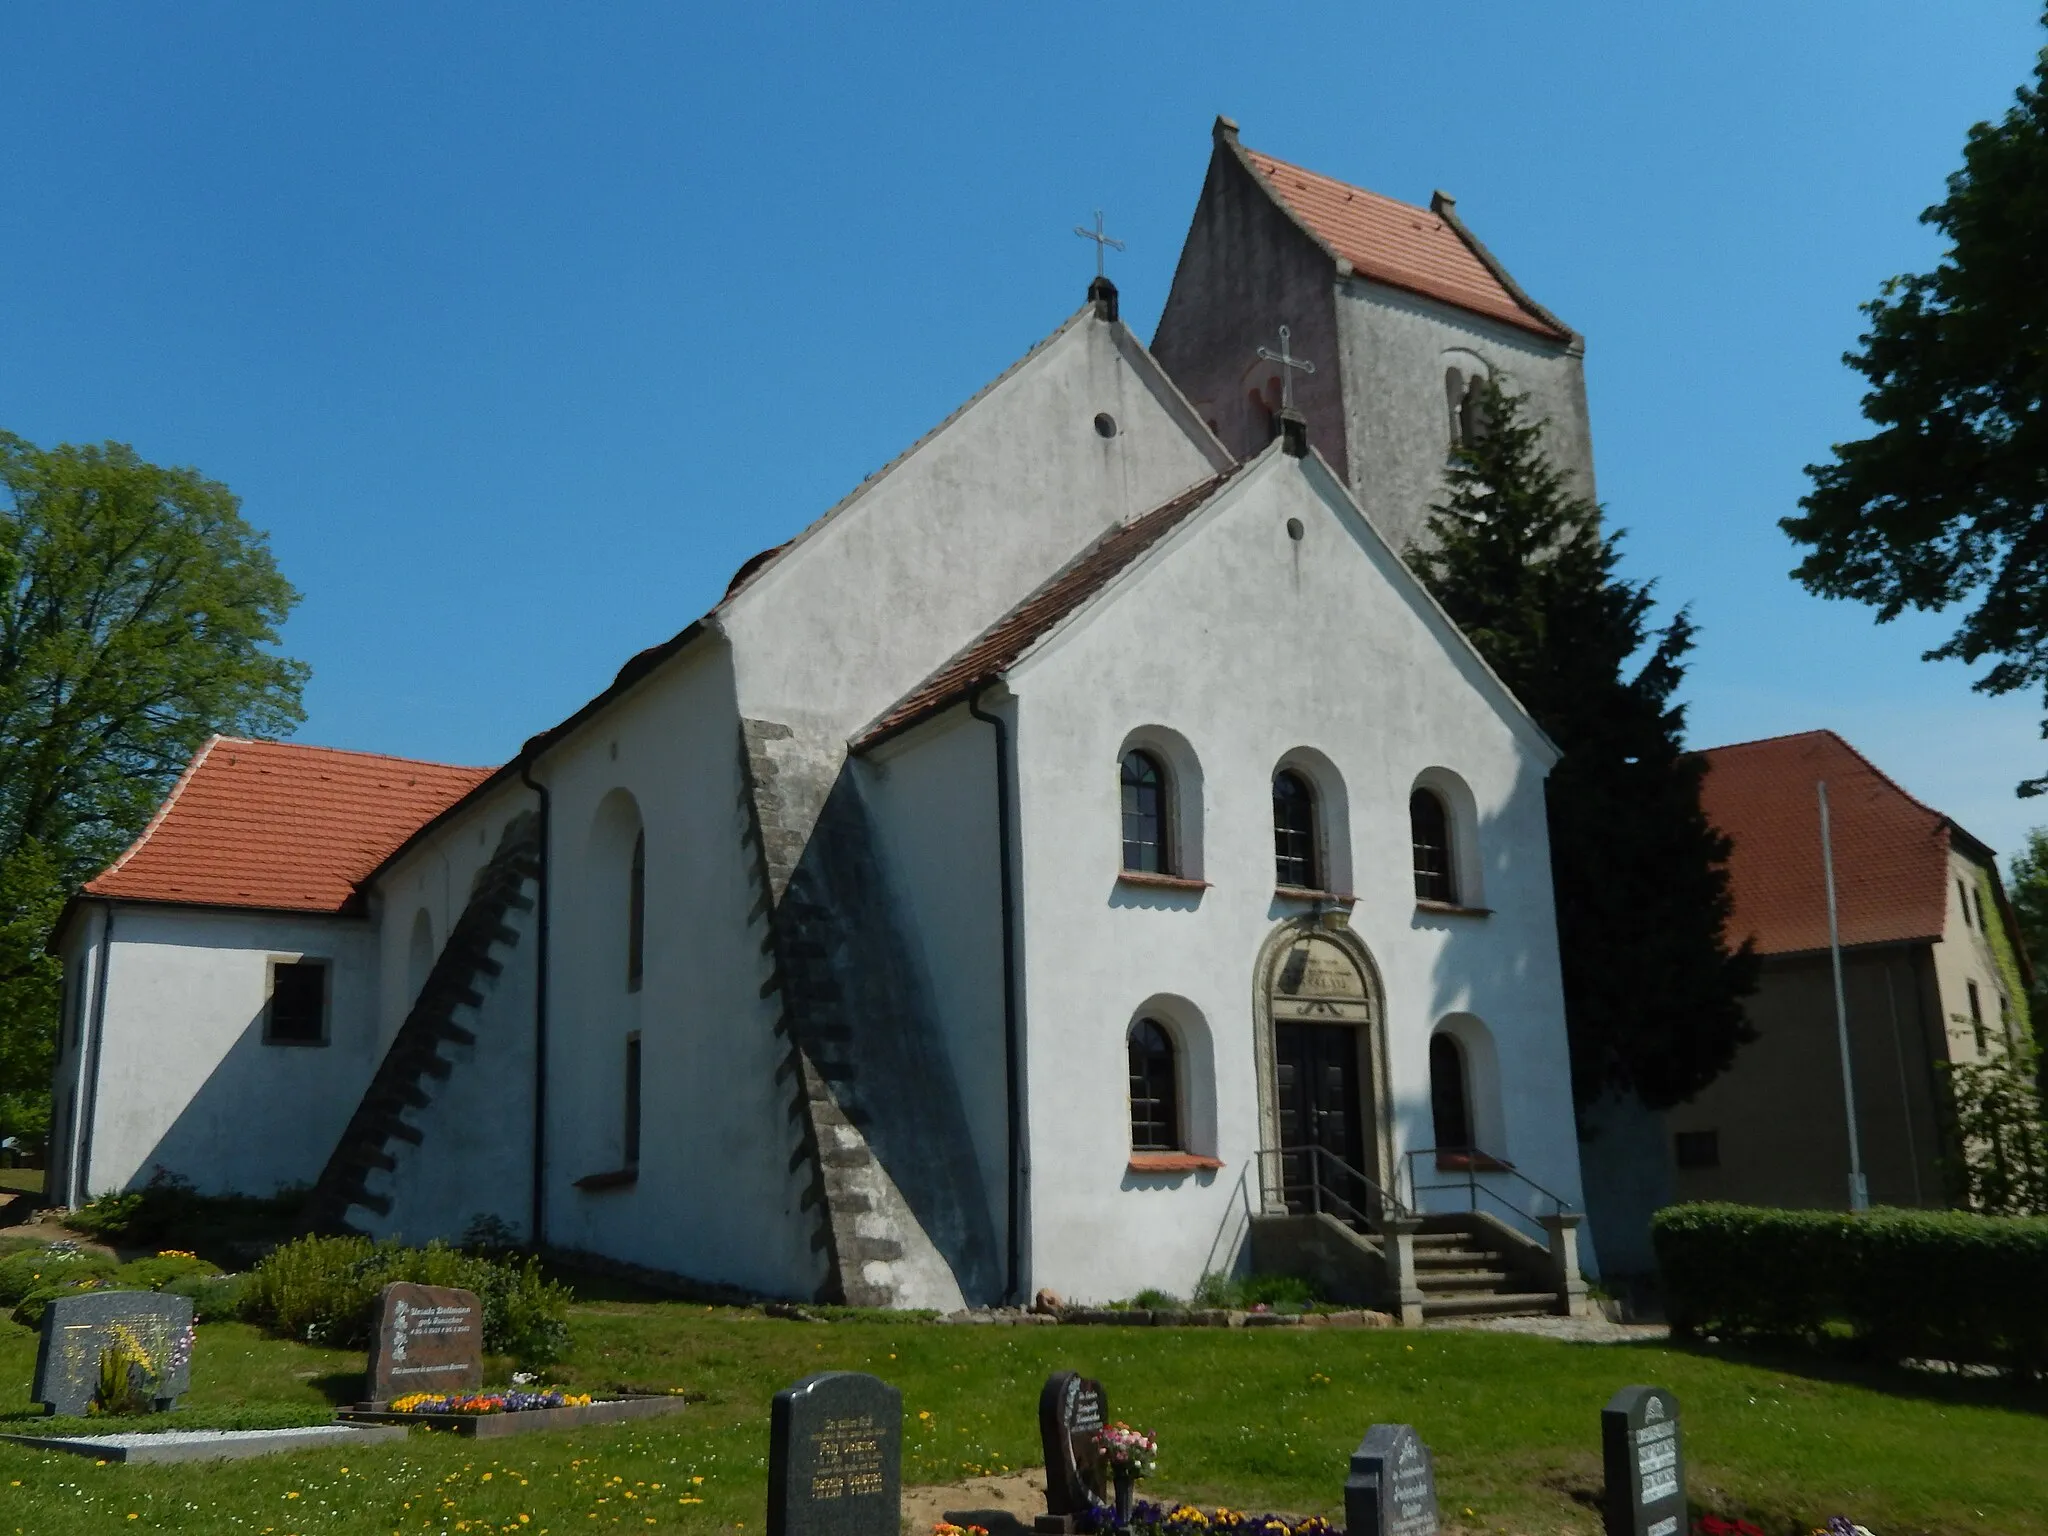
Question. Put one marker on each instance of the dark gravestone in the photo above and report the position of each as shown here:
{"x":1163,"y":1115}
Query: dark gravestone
{"x":78,"y":1330}
{"x":1645,"y":1476}
{"x":1392,"y":1487}
{"x":429,"y":1338}
{"x":1070,"y":1410}
{"x":835,"y":1457}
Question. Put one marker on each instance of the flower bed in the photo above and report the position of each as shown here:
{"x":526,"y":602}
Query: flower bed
{"x":1155,"y":1519}
{"x":489,"y":1402}
{"x":514,"y":1411}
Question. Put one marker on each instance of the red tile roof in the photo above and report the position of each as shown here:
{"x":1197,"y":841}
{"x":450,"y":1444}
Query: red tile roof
{"x":1400,"y":245}
{"x":1891,"y":852}
{"x":279,"y":826}
{"x":1000,"y":646}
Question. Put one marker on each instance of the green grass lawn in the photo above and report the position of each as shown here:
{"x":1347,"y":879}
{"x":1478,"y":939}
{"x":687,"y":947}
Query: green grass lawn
{"x":1262,"y":1419}
{"x":17,"y":1179}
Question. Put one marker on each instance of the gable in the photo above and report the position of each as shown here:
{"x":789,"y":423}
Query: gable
{"x":927,"y":554}
{"x":1350,"y":590}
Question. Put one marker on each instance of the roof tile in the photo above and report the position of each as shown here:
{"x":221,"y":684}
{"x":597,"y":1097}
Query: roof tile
{"x":279,"y":826}
{"x":1891,"y":852}
{"x":1396,"y":243}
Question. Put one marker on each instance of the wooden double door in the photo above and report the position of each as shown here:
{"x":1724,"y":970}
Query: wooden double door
{"x":1316,"y":1083}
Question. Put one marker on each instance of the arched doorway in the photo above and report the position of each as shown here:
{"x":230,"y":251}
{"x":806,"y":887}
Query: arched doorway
{"x":1322,"y":1088}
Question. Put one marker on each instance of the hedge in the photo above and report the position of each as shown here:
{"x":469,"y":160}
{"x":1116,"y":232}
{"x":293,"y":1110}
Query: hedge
{"x":1936,"y":1285}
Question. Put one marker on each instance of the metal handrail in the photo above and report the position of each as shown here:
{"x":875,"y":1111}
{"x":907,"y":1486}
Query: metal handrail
{"x":1471,"y":1185}
{"x":1321,"y":1189}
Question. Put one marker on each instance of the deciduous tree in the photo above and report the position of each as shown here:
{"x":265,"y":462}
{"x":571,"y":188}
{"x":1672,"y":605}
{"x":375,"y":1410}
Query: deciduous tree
{"x":138,"y":615}
{"x":1946,"y":502}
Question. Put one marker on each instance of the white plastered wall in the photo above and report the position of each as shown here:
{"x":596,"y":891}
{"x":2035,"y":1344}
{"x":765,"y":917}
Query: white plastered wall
{"x":715,"y":1197}
{"x":1251,"y":644}
{"x":933,"y":792}
{"x":433,"y":877}
{"x":185,"y":1080}
{"x":1963,"y":957}
{"x":475,"y":1155}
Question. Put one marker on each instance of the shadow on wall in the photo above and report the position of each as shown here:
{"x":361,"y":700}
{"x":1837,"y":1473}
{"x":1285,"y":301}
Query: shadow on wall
{"x":869,"y":1022}
{"x":1623,"y":1179}
{"x":1230,"y":1250}
{"x":266,"y":1118}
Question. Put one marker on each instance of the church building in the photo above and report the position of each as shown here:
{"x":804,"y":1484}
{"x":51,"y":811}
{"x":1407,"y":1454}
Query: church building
{"x":1085,"y":858}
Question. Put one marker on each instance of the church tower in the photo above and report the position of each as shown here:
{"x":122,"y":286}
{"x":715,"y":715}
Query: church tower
{"x":1399,"y":308}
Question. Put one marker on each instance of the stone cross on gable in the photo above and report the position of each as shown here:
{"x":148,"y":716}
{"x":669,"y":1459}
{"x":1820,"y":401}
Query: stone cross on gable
{"x":1289,"y":366}
{"x":1102,"y":242}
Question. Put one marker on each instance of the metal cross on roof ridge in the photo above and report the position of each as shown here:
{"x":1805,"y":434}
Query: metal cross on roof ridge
{"x":1289,"y":363}
{"x":1102,"y":241}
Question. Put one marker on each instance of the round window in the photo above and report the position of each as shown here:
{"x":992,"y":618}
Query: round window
{"x":1294,"y":529}
{"x":1105,"y":425}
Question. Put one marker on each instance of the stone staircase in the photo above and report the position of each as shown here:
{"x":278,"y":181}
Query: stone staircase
{"x":1465,"y":1265}
{"x":414,"y":1059}
{"x":1465,"y":1269}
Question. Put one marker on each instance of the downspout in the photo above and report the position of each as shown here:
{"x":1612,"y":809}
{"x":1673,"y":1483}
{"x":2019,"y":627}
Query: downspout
{"x":538,"y":1217}
{"x":87,"y":1118}
{"x":1012,"y":1068}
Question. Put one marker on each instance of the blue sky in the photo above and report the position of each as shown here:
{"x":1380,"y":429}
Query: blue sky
{"x":519,"y":327}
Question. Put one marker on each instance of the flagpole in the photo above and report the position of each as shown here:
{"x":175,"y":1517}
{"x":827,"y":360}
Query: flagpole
{"x":1859,"y":1190}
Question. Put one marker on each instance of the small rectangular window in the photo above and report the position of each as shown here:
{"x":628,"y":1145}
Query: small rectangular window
{"x":633,"y":1100}
{"x":297,"y":1013}
{"x":1963,"y":896}
{"x":1698,"y":1149}
{"x":1978,"y":898}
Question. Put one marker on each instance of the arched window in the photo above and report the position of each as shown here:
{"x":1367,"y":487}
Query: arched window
{"x":1465,"y":394}
{"x":1450,"y":1102}
{"x":1294,"y":832}
{"x":1429,"y":827}
{"x":636,"y":914}
{"x":1155,"y":1093}
{"x":1144,"y":800}
{"x":1472,"y":414}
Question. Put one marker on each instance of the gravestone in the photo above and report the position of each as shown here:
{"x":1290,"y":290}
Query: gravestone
{"x":835,"y":1457}
{"x":78,"y":1330}
{"x":1392,"y":1487}
{"x":429,"y":1338}
{"x":1645,"y":1476}
{"x":1070,"y":1410}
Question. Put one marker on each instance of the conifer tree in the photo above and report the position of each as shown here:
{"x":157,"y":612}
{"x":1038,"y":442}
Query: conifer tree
{"x":1652,"y":992}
